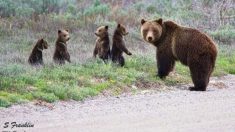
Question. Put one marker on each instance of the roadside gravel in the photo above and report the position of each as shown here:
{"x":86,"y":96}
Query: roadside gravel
{"x":147,"y":111}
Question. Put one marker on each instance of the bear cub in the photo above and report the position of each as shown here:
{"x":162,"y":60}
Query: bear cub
{"x":36,"y":57}
{"x":102,"y":47}
{"x":61,"y":53}
{"x":119,"y":45}
{"x":190,"y":46}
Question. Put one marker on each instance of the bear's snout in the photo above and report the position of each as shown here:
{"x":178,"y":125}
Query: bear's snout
{"x":150,"y":39}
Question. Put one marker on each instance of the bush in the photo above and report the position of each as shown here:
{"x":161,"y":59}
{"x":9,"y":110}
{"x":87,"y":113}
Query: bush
{"x":97,"y":9}
{"x":7,"y":8}
{"x":24,"y":8}
{"x":24,"y":12}
{"x":224,"y":34}
{"x":151,"y":9}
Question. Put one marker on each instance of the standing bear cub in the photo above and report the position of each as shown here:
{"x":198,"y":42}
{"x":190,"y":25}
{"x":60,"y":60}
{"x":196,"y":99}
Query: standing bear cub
{"x":36,"y":57}
{"x":102,"y":47}
{"x":119,"y":45}
{"x":190,"y":46}
{"x":61,"y":53}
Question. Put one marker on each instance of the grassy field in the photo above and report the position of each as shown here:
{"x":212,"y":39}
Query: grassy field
{"x":86,"y":77}
{"x":21,"y":83}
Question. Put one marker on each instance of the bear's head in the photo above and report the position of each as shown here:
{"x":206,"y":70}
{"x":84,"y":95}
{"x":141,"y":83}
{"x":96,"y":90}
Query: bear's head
{"x":151,"y":31}
{"x":121,"y":29}
{"x":42,"y":44}
{"x":102,"y":31}
{"x":63,"y":35}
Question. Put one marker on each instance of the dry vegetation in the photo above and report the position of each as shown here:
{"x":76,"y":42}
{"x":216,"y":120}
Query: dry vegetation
{"x":22,"y":23}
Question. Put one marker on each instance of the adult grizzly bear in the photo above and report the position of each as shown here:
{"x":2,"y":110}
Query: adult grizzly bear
{"x":61,"y":53}
{"x":102,"y":47}
{"x":119,"y":45}
{"x":190,"y":46}
{"x":36,"y":57}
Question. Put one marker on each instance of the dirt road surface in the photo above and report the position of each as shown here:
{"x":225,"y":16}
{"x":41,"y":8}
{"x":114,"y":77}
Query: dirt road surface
{"x":174,"y":110}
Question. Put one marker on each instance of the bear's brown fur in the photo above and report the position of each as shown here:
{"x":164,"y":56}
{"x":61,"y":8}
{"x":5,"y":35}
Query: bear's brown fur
{"x":102,"y":47}
{"x":61,"y":53}
{"x":119,"y":45}
{"x":36,"y":57}
{"x":190,"y":46}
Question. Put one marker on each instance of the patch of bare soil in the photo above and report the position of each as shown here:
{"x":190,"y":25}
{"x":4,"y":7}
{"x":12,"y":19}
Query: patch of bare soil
{"x":142,"y":84}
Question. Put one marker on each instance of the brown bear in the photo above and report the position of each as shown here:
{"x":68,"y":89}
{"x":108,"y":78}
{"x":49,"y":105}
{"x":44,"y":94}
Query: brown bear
{"x":190,"y":46}
{"x":102,"y":47}
{"x":119,"y":45}
{"x":61,"y":53}
{"x":36,"y":57}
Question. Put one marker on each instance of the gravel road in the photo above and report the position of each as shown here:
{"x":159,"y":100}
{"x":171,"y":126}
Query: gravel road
{"x":174,"y":110}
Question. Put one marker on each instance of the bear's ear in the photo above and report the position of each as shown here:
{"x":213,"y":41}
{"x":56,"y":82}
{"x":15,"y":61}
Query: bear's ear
{"x":119,"y":25}
{"x":59,"y":31}
{"x":41,"y":39}
{"x":159,"y":21}
{"x":106,"y":27}
{"x":143,"y":21}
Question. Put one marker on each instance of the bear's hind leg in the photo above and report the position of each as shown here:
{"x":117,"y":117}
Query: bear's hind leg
{"x":59,"y":61}
{"x":200,"y":73}
{"x":121,"y":61}
{"x":105,"y":58}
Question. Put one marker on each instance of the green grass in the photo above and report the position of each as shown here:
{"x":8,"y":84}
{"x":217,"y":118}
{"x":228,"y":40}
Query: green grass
{"x":225,"y":61}
{"x":20,"y":83}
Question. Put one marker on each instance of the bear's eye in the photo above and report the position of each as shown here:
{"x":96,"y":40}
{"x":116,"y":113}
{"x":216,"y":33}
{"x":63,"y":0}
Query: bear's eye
{"x":64,"y":35}
{"x":99,"y":30}
{"x":145,"y":30}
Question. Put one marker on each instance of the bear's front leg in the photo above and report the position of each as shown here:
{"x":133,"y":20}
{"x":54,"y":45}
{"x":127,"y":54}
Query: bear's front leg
{"x":165,"y":64}
{"x":41,"y":62}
